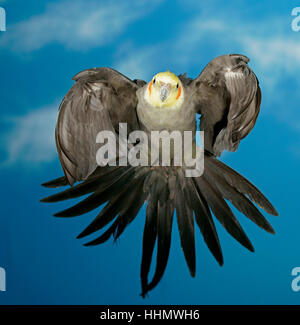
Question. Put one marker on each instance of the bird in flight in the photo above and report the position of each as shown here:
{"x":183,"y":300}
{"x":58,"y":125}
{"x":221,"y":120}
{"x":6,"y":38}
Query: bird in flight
{"x":227,"y":96}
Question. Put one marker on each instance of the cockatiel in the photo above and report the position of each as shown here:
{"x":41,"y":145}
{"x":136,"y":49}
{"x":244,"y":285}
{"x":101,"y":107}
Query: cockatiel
{"x":227,"y":96}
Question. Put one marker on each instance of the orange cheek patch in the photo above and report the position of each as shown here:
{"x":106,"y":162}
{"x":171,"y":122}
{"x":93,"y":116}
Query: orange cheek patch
{"x":179,"y":93}
{"x":150,"y":87}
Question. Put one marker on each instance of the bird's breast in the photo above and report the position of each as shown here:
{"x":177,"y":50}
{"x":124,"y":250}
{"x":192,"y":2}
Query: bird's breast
{"x":165,"y":118}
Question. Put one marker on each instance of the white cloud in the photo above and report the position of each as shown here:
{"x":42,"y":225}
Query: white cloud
{"x":275,"y":52}
{"x":31,"y":138}
{"x":77,"y":24}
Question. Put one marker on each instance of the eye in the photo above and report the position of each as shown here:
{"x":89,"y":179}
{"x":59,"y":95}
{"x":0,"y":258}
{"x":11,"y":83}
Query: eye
{"x":177,"y":86}
{"x":153,"y":81}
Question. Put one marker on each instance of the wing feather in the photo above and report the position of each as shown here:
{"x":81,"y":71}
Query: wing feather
{"x":100,"y":99}
{"x":228,"y":97}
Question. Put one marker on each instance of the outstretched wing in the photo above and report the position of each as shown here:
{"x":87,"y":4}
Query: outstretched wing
{"x":100,"y":99}
{"x":228,"y":97}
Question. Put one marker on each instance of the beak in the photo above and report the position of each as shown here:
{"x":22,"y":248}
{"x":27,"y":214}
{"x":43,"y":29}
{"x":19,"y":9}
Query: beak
{"x":164,"y":91}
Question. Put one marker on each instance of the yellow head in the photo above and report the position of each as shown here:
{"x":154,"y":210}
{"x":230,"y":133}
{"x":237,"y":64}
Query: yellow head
{"x":164,"y":90}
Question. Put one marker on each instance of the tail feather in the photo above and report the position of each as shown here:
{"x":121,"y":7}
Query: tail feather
{"x":149,"y":239}
{"x":165,"y":213}
{"x":96,"y":181}
{"x":106,"y":235}
{"x":222,"y":212}
{"x":127,"y":206}
{"x":205,"y":222}
{"x":241,"y":184}
{"x":128,"y":215}
{"x":125,"y":189}
{"x":240,"y":201}
{"x":117,"y":205}
{"x":98,"y":197}
{"x":158,"y":226}
{"x":185,"y":222}
{"x":58,"y":182}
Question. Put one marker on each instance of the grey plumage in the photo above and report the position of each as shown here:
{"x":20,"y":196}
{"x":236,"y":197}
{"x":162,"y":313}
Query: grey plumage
{"x":99,"y":100}
{"x":227,"y":95}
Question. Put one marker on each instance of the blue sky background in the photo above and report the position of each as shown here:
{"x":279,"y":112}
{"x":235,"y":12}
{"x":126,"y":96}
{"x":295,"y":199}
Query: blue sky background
{"x":45,"y":44}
